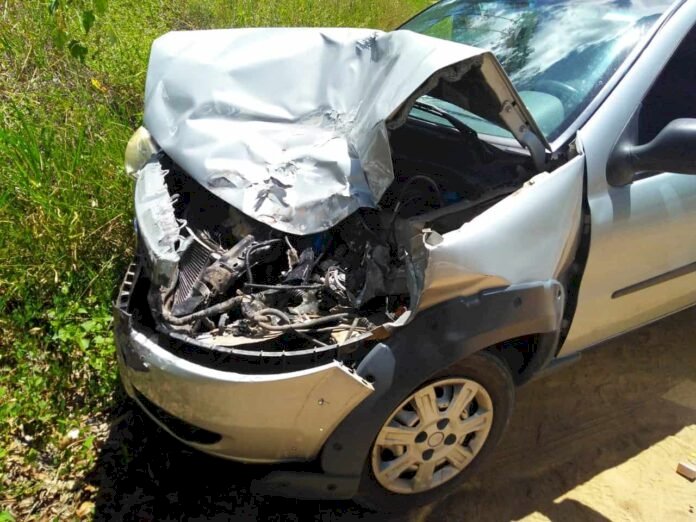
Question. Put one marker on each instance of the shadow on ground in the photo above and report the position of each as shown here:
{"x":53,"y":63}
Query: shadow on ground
{"x":567,"y":428}
{"x":142,"y":474}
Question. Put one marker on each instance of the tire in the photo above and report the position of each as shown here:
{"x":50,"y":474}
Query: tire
{"x":437,"y":456}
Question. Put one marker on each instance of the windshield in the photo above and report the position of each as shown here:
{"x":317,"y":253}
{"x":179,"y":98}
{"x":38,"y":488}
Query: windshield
{"x":558,"y":54}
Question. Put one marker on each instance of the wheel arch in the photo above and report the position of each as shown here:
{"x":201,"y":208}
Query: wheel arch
{"x":526,"y":355}
{"x":436,"y":339}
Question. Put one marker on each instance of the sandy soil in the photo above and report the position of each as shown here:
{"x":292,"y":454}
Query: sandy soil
{"x":599,"y":440}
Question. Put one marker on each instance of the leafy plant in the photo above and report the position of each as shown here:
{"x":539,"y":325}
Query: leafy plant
{"x":6,"y":516}
{"x":65,"y":35}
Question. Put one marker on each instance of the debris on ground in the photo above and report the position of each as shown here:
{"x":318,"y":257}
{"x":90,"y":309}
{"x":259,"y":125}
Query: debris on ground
{"x":687,"y":468}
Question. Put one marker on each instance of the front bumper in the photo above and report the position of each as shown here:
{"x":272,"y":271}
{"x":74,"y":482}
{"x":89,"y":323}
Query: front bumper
{"x":246,"y":417}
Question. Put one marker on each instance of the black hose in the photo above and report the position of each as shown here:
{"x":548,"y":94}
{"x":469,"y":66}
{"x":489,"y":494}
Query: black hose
{"x":293,"y":326}
{"x":402,"y":193}
{"x":282,"y":315}
{"x":273,"y":311}
{"x":207,"y":312}
{"x":284,"y":287}
{"x":368,"y":229}
{"x":428,"y":180}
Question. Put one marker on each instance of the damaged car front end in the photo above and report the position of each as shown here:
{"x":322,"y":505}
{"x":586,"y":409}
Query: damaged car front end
{"x":314,"y":237}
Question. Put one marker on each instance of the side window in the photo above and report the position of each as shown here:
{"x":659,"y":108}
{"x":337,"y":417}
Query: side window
{"x":673,"y":95}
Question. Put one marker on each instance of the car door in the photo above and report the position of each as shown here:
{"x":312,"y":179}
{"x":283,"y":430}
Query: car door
{"x":642,"y":258}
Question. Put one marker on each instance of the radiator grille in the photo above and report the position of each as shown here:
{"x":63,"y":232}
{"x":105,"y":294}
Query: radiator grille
{"x":193,"y":261}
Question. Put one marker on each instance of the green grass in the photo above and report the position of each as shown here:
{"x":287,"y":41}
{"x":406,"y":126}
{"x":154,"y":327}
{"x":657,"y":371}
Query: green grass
{"x":71,"y":83}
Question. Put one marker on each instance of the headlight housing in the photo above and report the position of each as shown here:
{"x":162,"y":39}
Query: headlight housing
{"x":139,"y":150}
{"x":157,"y":225}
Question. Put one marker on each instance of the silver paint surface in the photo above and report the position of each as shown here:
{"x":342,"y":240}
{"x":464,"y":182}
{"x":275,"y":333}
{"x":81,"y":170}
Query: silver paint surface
{"x":641,"y":230}
{"x":262,"y":418}
{"x":290,"y":125}
{"x":528,"y":236}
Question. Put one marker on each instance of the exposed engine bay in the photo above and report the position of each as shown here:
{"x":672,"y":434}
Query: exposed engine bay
{"x":240,"y":282}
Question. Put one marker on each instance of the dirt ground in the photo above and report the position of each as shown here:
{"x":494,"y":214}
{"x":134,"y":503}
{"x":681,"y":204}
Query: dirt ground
{"x":599,"y":440}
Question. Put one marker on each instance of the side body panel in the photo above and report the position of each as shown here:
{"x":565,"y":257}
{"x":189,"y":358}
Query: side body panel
{"x":641,"y":231}
{"x":529,"y":236}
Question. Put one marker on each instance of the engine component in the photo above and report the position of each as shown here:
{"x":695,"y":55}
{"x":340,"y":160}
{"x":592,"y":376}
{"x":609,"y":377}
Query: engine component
{"x":302,"y":270}
{"x":194,"y":260}
{"x":309,"y":303}
{"x":336,"y":283}
{"x":220,"y":308}
{"x":319,"y":290}
{"x":262,"y":319}
{"x":216,"y":279}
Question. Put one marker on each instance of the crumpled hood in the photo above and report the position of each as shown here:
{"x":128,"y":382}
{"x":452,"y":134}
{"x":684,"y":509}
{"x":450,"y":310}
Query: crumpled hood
{"x":290,"y":125}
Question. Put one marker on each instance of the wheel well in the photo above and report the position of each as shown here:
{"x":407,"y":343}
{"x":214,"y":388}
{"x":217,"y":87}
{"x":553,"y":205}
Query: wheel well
{"x":523,"y":355}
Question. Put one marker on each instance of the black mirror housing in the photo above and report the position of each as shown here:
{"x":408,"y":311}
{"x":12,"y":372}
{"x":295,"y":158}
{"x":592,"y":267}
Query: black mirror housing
{"x":672,"y":150}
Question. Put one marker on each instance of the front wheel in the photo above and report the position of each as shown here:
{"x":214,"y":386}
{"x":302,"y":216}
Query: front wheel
{"x":439,"y":434}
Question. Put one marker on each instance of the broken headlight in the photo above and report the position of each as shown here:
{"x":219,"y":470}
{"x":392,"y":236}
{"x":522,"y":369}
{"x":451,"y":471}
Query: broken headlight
{"x":139,"y":150}
{"x":157,"y":225}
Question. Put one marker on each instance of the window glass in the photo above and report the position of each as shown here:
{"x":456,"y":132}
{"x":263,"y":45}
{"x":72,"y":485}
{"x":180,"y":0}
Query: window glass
{"x":673,"y":95}
{"x":558,"y":54}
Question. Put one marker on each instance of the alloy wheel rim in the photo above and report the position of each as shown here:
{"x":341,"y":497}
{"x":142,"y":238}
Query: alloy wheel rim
{"x":432,"y":436}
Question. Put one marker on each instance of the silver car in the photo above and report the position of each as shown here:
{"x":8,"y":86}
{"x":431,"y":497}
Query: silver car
{"x":354,"y":245}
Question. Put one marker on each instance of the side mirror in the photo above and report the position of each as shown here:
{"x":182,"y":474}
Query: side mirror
{"x":672,"y":150}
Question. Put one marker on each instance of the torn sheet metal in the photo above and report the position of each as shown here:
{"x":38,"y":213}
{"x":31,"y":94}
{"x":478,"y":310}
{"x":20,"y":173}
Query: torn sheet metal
{"x":290,"y":125}
{"x":529,"y":236}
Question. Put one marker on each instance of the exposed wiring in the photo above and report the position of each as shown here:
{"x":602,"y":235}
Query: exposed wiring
{"x":263,"y":314}
{"x":219,"y":308}
{"x":402,"y":193}
{"x":284,"y":287}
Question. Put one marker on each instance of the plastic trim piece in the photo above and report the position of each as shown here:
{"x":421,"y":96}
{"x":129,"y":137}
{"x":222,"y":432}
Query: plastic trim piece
{"x":662,"y":278}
